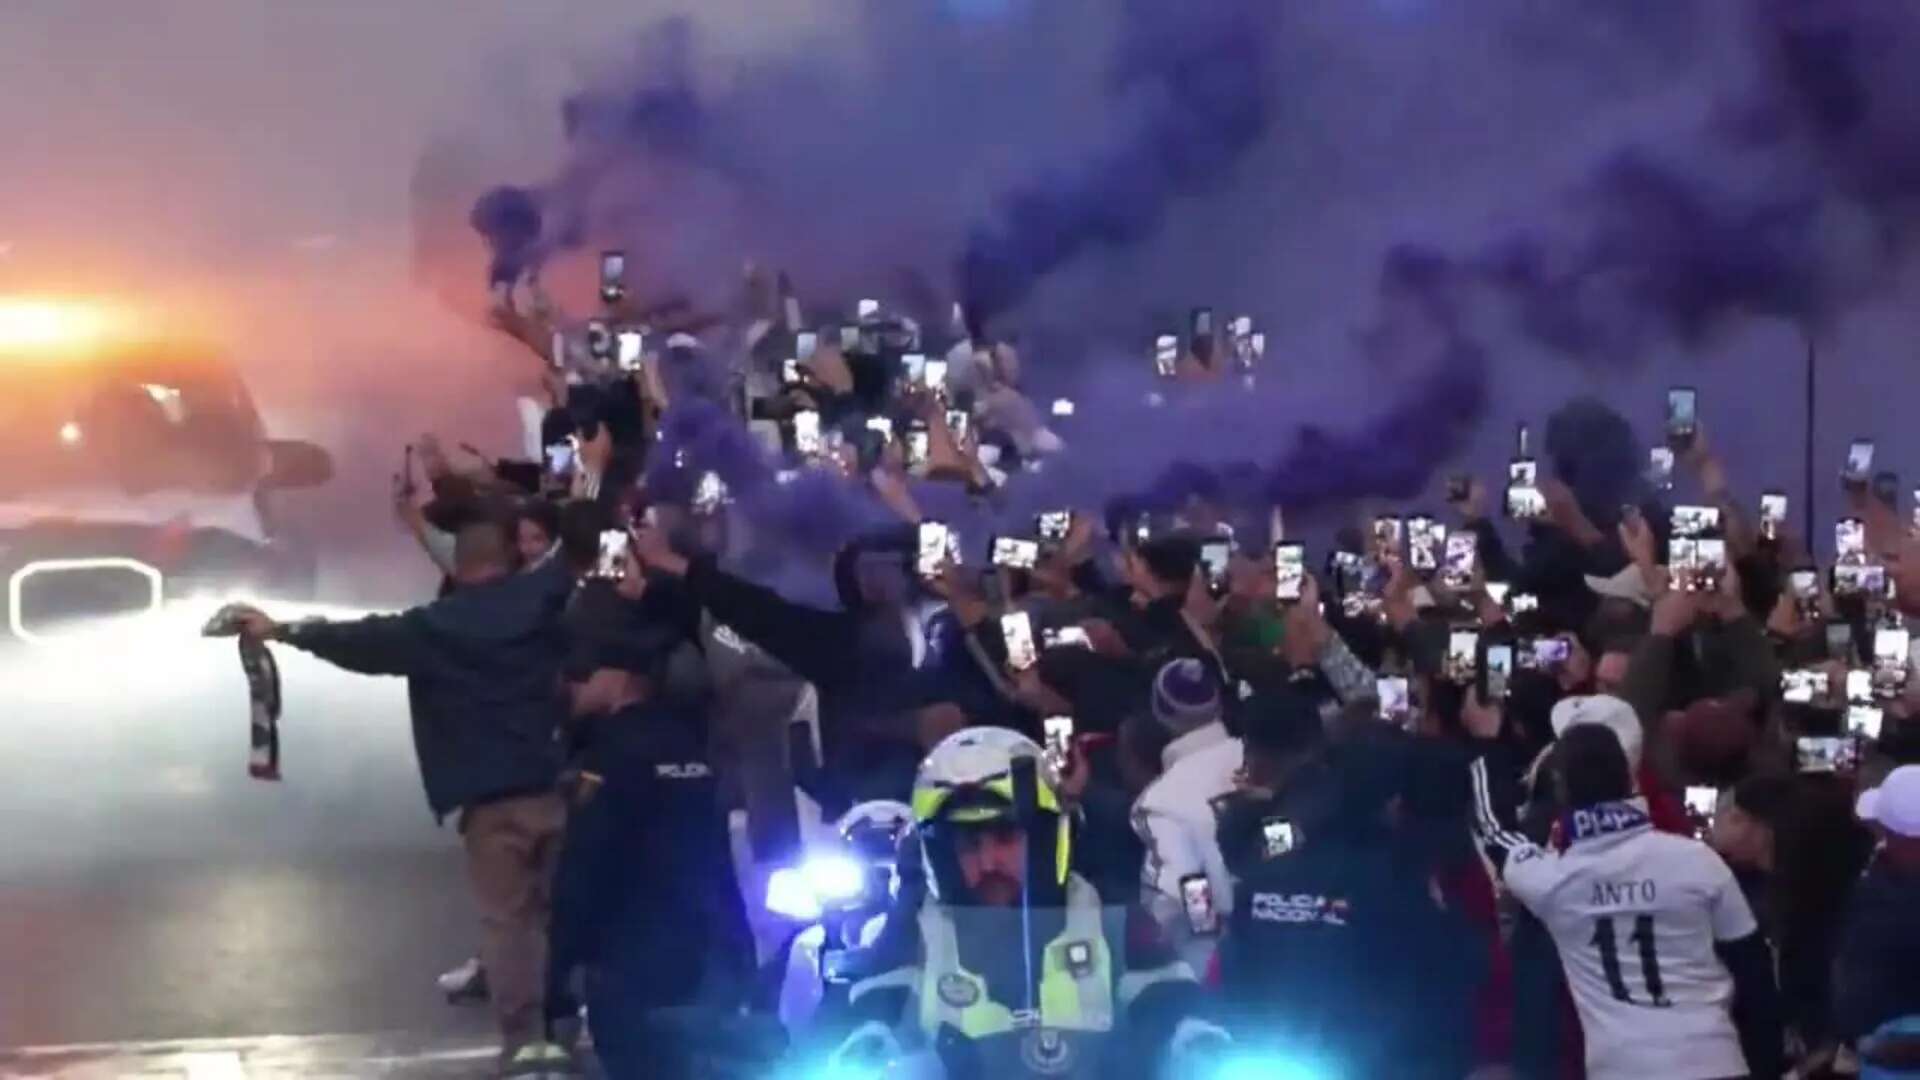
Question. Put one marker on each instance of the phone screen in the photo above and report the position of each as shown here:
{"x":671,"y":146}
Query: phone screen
{"x":1276,"y":837}
{"x":1859,"y":685}
{"x":806,"y":432}
{"x":1681,"y":422}
{"x":1289,"y":572}
{"x":1462,"y":548}
{"x":931,"y":548}
{"x":1017,"y":629}
{"x":1499,"y":671}
{"x":1062,"y":407}
{"x":936,"y":374}
{"x":613,"y":273}
{"x":1552,"y":652}
{"x":789,"y":372}
{"x":1859,"y":461}
{"x":805,"y":345}
{"x":1015,"y":553}
{"x":1524,"y":501}
{"x":560,"y":458}
{"x":1695,"y":521}
{"x":1423,"y":544}
{"x":1166,"y":355}
{"x":1396,"y":706}
{"x":1701,"y":801}
{"x":867,"y":309}
{"x":1801,"y":685}
{"x":710,"y":494}
{"x":1890,"y":648}
{"x":1241,"y":331}
{"x":957,"y":422}
{"x":1463,"y":656}
{"x":1825,"y":753}
{"x":1660,"y":467}
{"x":1196,"y":895}
{"x":1058,"y":731}
{"x":1864,"y":721}
{"x":882,"y":426}
{"x":1202,"y":324}
{"x":600,"y":342}
{"x":1710,"y":564}
{"x":612,"y":562}
{"x":630,"y":342}
{"x":1066,"y":637}
{"x":1054,"y":525}
{"x":1773,"y":514}
{"x":917,"y":445}
{"x":1387,"y":534}
{"x":1215,"y":554}
{"x":1850,"y":538}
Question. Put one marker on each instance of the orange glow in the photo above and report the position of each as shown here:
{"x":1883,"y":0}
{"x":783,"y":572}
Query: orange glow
{"x":46,"y":324}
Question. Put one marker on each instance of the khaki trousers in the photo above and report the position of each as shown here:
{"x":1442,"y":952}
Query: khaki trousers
{"x":512,"y":846}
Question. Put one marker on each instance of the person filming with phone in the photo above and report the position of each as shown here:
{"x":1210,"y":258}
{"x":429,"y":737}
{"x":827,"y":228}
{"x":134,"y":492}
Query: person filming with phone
{"x":1016,"y":966}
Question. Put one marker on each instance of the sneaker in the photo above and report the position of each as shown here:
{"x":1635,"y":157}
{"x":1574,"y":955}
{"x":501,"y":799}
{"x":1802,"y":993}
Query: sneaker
{"x":539,"y":1061}
{"x":468,"y":982}
{"x":569,"y":1032}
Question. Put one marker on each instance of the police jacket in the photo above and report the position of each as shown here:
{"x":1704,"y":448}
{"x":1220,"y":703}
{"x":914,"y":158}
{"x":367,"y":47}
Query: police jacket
{"x":645,"y":893}
{"x":1101,"y":990}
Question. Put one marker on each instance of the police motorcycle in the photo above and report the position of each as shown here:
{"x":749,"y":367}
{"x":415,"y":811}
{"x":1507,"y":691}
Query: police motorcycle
{"x":842,"y":891}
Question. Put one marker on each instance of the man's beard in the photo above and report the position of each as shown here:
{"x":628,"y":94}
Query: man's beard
{"x":996,"y":890}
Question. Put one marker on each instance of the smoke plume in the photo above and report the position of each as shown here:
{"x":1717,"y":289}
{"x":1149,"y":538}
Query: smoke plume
{"x":1066,"y":167}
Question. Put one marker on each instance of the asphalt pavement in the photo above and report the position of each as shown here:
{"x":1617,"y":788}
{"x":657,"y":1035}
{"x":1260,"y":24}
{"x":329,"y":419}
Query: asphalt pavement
{"x":163,"y":914}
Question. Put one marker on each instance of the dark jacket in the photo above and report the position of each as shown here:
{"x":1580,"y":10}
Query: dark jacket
{"x":1877,"y":971}
{"x":645,"y":892}
{"x":1338,"y":946}
{"x":483,"y":682}
{"x":861,"y":666}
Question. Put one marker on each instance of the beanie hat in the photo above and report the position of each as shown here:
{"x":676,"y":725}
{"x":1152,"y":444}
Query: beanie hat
{"x":1185,"y":696}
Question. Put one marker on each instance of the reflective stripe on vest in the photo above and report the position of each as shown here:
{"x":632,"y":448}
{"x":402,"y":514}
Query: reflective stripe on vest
{"x":952,"y":996}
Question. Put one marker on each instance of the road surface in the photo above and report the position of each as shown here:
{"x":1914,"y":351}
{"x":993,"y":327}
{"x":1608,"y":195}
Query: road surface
{"x":161,"y":913}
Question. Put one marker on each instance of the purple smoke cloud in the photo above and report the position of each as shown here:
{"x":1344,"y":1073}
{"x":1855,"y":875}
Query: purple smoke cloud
{"x":1013,"y":160}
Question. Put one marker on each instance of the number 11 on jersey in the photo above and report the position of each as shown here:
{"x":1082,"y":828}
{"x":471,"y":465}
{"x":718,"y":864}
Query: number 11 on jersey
{"x":1642,"y":938}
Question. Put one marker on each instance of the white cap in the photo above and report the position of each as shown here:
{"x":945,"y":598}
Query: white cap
{"x":1629,"y":585}
{"x":1895,"y":804}
{"x":1609,"y":712}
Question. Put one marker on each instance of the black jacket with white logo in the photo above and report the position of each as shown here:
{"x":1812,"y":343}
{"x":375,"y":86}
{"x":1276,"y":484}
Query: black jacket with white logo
{"x":645,"y":893}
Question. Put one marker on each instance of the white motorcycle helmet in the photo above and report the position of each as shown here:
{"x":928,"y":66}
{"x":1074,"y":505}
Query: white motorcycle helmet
{"x":973,"y":778}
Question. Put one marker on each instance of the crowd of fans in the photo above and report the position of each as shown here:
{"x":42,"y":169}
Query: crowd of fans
{"x":1628,"y":798}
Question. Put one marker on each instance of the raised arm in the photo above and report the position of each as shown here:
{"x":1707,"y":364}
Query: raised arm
{"x":814,"y":644}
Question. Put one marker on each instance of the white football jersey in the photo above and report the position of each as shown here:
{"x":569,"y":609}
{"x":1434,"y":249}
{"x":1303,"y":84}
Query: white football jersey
{"x":1635,"y":914}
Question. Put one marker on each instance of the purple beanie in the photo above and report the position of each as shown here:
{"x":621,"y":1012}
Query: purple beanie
{"x":1185,"y":696}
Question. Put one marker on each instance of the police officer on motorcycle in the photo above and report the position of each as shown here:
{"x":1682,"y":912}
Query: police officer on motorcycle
{"x":850,"y":890}
{"x":1014,"y":966}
